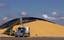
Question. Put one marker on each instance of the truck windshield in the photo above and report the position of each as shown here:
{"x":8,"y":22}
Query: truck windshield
{"x":23,"y":30}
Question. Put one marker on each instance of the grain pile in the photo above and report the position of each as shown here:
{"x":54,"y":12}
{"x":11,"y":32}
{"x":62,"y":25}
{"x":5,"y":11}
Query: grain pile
{"x":44,"y":28}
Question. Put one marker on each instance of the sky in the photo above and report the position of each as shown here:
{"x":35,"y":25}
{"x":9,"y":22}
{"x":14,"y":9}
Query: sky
{"x":52,"y":10}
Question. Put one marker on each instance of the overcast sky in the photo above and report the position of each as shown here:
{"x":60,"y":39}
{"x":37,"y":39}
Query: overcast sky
{"x":37,"y":8}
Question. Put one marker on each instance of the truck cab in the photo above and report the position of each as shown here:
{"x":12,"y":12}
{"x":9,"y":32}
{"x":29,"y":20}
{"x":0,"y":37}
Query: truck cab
{"x":22,"y":32}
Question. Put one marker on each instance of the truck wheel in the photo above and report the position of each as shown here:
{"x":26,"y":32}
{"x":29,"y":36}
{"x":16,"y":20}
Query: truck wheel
{"x":21,"y":36}
{"x":16,"y":36}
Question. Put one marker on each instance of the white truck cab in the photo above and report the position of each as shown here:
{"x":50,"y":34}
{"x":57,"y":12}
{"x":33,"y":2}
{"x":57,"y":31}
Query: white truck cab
{"x":22,"y":32}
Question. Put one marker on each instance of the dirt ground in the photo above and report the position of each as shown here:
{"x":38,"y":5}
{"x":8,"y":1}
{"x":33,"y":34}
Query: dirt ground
{"x":32,"y":38}
{"x":3,"y":35}
{"x":7,"y":37}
